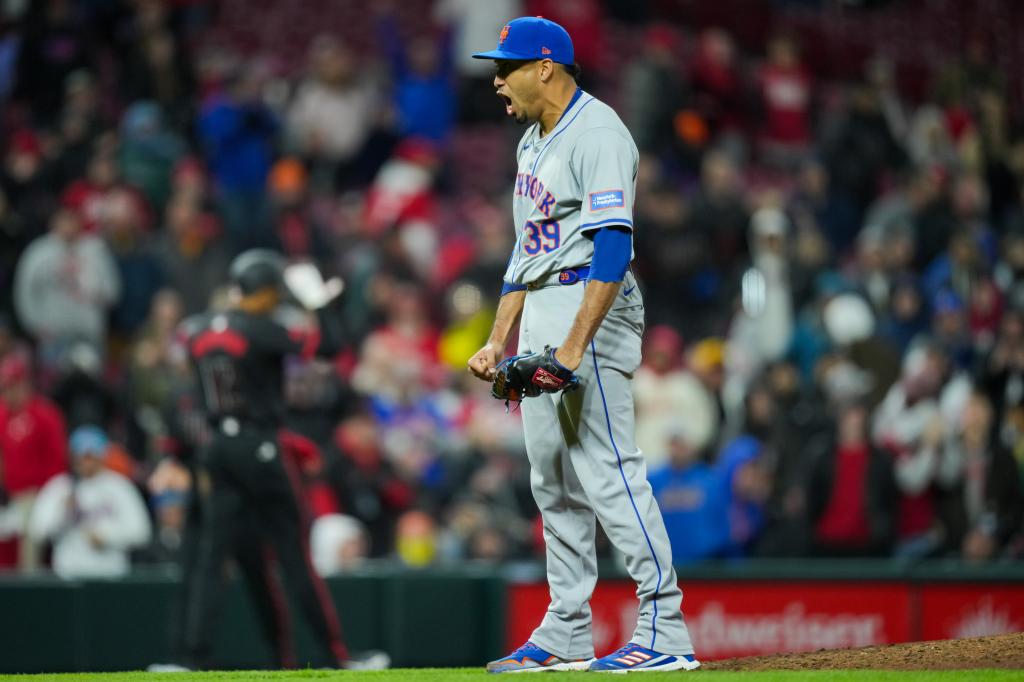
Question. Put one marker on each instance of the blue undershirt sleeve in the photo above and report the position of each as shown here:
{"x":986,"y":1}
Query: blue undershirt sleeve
{"x":613,"y":249}
{"x":508,"y":287}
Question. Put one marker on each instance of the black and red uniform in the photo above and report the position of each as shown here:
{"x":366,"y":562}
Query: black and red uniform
{"x":245,"y":477}
{"x":187,"y":432}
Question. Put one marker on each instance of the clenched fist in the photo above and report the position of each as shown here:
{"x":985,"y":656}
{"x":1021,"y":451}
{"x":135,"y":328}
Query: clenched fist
{"x":483,"y":362}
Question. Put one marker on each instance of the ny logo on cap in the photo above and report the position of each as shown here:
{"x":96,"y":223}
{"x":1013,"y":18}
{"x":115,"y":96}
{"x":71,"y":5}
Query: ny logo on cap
{"x":503,"y":35}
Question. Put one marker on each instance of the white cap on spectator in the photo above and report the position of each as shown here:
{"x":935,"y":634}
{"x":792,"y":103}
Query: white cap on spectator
{"x":769,"y":222}
{"x":848,"y":319}
{"x":328,"y":538}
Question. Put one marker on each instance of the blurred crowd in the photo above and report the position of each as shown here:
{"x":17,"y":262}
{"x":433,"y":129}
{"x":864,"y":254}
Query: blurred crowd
{"x":833,"y":272}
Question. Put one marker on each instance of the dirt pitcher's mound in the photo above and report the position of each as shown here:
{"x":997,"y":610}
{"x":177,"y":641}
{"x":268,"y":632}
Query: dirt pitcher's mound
{"x":999,"y":651}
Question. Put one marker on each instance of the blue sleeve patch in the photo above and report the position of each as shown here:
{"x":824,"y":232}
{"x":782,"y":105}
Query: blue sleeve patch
{"x":609,"y":198}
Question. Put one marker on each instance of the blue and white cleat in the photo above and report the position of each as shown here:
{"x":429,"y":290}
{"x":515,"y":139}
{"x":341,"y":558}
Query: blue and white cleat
{"x":530,"y":658}
{"x":635,"y":658}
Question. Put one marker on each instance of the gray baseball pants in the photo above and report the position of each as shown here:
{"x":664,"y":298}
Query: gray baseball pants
{"x":586,"y":467}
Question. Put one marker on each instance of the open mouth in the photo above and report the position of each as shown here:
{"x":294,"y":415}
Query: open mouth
{"x":508,"y":103}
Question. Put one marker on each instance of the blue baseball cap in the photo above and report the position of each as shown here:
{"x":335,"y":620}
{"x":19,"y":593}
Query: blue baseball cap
{"x":528,"y":38}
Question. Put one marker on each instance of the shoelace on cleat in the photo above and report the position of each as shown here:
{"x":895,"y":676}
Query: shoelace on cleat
{"x":628,"y":649}
{"x":523,"y":650}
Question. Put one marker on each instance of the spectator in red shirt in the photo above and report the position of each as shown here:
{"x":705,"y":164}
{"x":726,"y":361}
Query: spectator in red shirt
{"x":33,"y":445}
{"x":365,"y":483}
{"x":99,"y":195}
{"x":786,"y":90}
{"x":717,"y":83}
{"x":852,"y":492}
{"x":908,"y":425}
{"x":400,"y":359}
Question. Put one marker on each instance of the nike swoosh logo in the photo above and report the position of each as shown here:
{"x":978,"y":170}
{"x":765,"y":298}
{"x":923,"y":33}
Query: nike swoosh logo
{"x":627,"y":292}
{"x":525,"y":147}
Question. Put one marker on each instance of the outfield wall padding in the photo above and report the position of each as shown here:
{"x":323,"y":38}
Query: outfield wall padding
{"x":467,"y":616}
{"x":420,"y":618}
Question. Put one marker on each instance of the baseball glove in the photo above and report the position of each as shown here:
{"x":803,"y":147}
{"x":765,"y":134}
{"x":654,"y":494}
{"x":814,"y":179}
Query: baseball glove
{"x":527,"y":376}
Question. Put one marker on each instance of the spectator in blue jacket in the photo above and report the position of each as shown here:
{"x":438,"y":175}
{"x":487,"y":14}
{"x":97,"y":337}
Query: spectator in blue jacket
{"x":423,"y":79}
{"x":237,"y":131}
{"x":747,"y":482}
{"x":693,"y":503}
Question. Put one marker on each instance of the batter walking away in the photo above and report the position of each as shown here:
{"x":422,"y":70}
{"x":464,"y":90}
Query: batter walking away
{"x":239,"y":363}
{"x":581,"y":319}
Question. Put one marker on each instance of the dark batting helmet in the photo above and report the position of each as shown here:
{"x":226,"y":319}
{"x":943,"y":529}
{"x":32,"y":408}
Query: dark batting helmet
{"x":257,"y":269}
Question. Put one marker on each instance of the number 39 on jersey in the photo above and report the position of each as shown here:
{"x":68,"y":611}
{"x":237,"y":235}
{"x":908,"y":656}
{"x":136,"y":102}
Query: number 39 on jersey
{"x":542,"y":237}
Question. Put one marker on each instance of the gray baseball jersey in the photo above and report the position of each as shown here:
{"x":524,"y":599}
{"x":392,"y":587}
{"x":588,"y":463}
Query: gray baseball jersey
{"x":576,"y":179}
{"x":585,"y":465}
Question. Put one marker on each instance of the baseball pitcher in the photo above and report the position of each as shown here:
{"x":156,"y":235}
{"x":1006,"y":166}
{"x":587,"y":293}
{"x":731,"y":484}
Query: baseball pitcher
{"x":581,"y":319}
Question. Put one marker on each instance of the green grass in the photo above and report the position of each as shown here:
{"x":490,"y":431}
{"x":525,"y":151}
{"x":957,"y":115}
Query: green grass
{"x":475,"y":674}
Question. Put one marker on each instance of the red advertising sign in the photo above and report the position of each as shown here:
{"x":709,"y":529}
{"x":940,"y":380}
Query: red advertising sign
{"x":971,"y":610}
{"x":728,"y":619}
